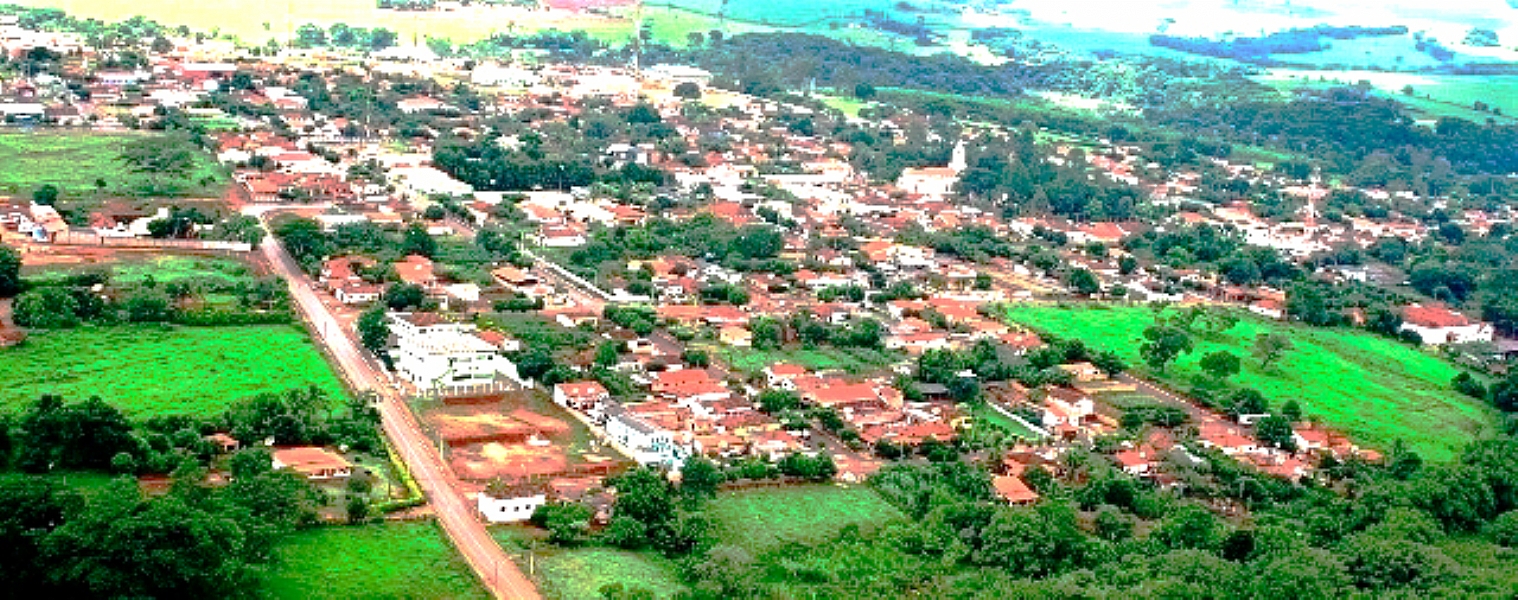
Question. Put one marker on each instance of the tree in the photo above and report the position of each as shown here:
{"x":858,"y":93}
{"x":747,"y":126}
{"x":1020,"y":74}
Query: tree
{"x":374,"y":329}
{"x":1109,"y":362}
{"x":1247,"y":401}
{"x":1220,"y":364}
{"x":357,"y":509}
{"x":10,"y":271}
{"x":767,"y":333}
{"x":567,"y":522}
{"x":1276,"y":431}
{"x":864,"y":91}
{"x":47,"y":195}
{"x":1467,"y":384}
{"x":46,"y":308}
{"x":418,"y":241}
{"x":609,"y":353}
{"x":1164,"y":344}
{"x":688,"y":90}
{"x":402,"y":296}
{"x":1301,"y":574}
{"x":1084,"y":282}
{"x":697,"y":358}
{"x":699,"y":479}
{"x":1191,"y":526}
{"x":1292,"y":411}
{"x":1270,"y":347}
{"x":169,"y":158}
{"x":775,"y":401}
{"x":310,"y":36}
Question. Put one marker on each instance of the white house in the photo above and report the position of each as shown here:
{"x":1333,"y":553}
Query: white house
{"x":1437,"y":325}
{"x":583,"y":396}
{"x":511,"y":503}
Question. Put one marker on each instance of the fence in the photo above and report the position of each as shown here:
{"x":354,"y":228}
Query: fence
{"x":75,"y":238}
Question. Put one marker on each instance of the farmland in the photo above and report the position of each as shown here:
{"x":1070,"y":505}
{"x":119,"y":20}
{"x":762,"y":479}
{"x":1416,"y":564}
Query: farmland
{"x":398,"y":560}
{"x":148,"y":370}
{"x":767,"y":519}
{"x":76,"y":161}
{"x":1376,"y":390}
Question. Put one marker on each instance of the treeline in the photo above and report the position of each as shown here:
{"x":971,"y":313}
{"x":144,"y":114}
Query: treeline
{"x":749,"y":248}
{"x":344,"y":36}
{"x":1258,"y":50}
{"x":93,"y":298}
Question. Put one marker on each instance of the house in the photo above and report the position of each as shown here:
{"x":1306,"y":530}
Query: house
{"x":1083,"y":372}
{"x":313,"y":463}
{"x":583,"y":396}
{"x":783,"y":375}
{"x":357,"y":292}
{"x":417,"y":270}
{"x":1012,"y":489}
{"x":1437,"y":325}
{"x":733,"y":335}
{"x":503,"y":502}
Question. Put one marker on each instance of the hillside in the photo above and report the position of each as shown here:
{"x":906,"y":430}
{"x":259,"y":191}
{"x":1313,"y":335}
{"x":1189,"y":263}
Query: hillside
{"x":1376,"y":390}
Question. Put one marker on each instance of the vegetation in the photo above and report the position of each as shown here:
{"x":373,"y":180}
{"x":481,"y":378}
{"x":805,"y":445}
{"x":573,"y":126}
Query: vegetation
{"x":391,"y":560}
{"x":1376,"y":390}
{"x":766,"y":519}
{"x":150,"y":370}
{"x":76,"y":162}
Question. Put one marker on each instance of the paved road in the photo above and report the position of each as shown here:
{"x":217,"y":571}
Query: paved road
{"x":490,"y":563}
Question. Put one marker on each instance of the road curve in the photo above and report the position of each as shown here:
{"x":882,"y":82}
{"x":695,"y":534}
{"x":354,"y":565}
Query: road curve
{"x":491,"y":564}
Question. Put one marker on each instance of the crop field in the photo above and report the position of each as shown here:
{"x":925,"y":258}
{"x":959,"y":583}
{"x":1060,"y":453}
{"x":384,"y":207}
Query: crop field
{"x":148,"y":370}
{"x":393,"y":560}
{"x":75,"y":161}
{"x":852,"y":360}
{"x":1376,"y":390}
{"x":766,"y":519}
{"x":574,"y":573}
{"x":279,"y":20}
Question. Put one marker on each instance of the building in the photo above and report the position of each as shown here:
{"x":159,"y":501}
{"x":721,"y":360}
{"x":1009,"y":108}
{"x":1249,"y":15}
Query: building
{"x":583,"y":396}
{"x":1012,"y":490}
{"x":648,"y":443}
{"x":315,"y":464}
{"x":1437,"y":325}
{"x":511,"y":503}
{"x":430,"y":353}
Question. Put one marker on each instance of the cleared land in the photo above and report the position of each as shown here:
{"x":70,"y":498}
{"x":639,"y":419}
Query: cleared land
{"x":1376,"y":390}
{"x":74,"y":161}
{"x":574,"y":573}
{"x":163,"y":269}
{"x":148,"y":370}
{"x":396,"y":560}
{"x":766,"y":519}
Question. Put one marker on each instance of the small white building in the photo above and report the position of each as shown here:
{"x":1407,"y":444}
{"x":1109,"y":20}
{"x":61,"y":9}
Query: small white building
{"x":511,"y":503}
{"x":648,"y":443}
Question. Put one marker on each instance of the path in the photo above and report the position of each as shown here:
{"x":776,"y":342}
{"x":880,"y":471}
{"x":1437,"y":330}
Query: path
{"x":469,"y":535}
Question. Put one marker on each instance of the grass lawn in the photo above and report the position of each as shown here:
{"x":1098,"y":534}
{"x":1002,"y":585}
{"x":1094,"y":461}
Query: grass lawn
{"x":148,"y":370}
{"x":848,"y":105}
{"x":392,"y":560}
{"x":574,"y":573}
{"x":1374,"y":389}
{"x":852,"y":360}
{"x":983,"y":413}
{"x":766,"y":519}
{"x":74,"y":161}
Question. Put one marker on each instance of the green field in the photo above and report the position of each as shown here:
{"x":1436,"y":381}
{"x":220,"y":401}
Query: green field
{"x":1374,"y":389}
{"x":148,"y":370}
{"x":162,"y":268}
{"x":396,"y":560}
{"x":852,"y":360}
{"x":574,"y":573}
{"x":74,"y":161}
{"x":765,"y":519}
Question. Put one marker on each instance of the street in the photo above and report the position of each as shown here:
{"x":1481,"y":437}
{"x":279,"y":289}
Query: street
{"x":491,"y":564}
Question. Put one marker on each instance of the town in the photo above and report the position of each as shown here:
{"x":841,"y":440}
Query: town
{"x":554,"y":287}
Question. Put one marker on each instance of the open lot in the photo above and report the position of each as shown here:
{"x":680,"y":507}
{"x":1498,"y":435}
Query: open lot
{"x":74,"y":161}
{"x":136,"y":268}
{"x":148,"y":370}
{"x":852,"y":360}
{"x":1376,"y":390}
{"x":766,"y":519}
{"x":392,"y":560}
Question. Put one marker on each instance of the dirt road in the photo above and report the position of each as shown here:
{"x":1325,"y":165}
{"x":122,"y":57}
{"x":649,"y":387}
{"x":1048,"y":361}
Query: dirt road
{"x":490,"y":563}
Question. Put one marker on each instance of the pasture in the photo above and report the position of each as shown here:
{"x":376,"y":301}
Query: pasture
{"x":572,"y":573}
{"x":762,"y":520}
{"x":148,"y":370}
{"x":78,"y":162}
{"x":391,"y":560}
{"x":1376,"y":390}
